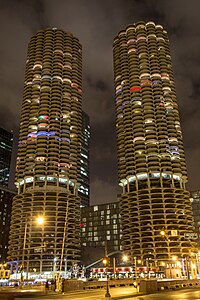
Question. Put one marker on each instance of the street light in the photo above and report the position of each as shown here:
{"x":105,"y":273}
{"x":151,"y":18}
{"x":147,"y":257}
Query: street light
{"x":65,"y":260}
{"x":174,"y":257}
{"x":23,"y":250}
{"x":135,"y":262}
{"x":135,"y":271}
{"x":54,"y":265}
{"x":165,"y":236}
{"x":39,"y":221}
{"x":105,"y":262}
{"x":162,"y":232}
{"x":125,"y":258}
{"x":192,"y":264}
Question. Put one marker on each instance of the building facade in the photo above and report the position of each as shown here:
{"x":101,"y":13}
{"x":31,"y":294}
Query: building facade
{"x":101,"y":224}
{"x":6,"y":142}
{"x":6,"y":197}
{"x":195,"y":199}
{"x":49,"y":155}
{"x":155,"y":206}
{"x":84,"y":188}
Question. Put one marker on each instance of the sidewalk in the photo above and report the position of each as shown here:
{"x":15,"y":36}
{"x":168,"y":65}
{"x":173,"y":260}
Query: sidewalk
{"x":116,"y":294}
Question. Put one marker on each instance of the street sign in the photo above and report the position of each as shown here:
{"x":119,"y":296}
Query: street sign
{"x":191,"y":235}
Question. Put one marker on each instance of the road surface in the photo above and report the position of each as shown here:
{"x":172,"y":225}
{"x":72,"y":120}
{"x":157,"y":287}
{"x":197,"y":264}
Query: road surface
{"x":120,"y":293}
{"x":123,"y":293}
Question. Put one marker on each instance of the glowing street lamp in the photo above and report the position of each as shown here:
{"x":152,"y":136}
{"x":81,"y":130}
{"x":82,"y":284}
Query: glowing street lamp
{"x":162,"y":232}
{"x":40,"y":220}
{"x":125,"y":258}
{"x":106,"y":262}
{"x":174,"y":258}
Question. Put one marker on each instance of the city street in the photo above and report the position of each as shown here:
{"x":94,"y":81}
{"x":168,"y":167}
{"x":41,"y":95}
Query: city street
{"x":125,"y":293}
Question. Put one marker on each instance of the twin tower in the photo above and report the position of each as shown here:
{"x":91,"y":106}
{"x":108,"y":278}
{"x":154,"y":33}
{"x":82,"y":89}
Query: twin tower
{"x":155,"y":208}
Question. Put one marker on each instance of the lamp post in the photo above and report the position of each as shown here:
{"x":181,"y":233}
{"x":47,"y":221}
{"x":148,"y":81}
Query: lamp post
{"x":64,"y":236}
{"x":39,"y":221}
{"x":193,"y":260}
{"x":54,"y":265}
{"x":135,"y":262}
{"x":187,"y":263}
{"x":106,"y":263}
{"x":23,"y":253}
{"x":65,"y":260}
{"x":174,"y":259}
{"x":165,"y":237}
{"x":114,"y":267}
{"x":198,"y":260}
{"x":135,"y":271}
{"x":125,"y":258}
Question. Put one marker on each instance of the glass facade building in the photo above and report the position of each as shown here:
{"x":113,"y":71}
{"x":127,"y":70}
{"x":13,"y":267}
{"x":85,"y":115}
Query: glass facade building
{"x":6,"y":197}
{"x":6,"y":142}
{"x":49,"y":155}
{"x":84,"y":188}
{"x":155,"y":207}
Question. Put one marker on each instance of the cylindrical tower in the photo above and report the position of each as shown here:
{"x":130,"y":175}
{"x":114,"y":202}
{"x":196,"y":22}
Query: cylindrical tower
{"x":155,"y":206}
{"x":48,"y":162}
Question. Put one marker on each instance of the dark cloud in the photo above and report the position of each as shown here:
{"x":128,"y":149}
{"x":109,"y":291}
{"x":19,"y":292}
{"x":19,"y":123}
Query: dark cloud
{"x":96,"y":23}
{"x":27,"y":12}
{"x":99,"y":85}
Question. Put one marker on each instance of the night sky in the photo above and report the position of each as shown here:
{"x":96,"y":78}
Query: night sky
{"x":96,"y":23}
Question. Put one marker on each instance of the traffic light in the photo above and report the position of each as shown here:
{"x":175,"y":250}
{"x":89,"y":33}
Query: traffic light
{"x":106,"y":261}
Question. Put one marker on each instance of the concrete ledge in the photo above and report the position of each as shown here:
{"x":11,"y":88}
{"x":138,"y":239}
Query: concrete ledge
{"x":145,"y":285}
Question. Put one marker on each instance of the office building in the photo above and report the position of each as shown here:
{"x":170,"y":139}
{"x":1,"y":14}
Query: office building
{"x":100,"y":231}
{"x":155,"y":206}
{"x":45,"y":221}
{"x":100,"y":224}
{"x":6,"y":141}
{"x":6,"y":197}
{"x":84,"y":188}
